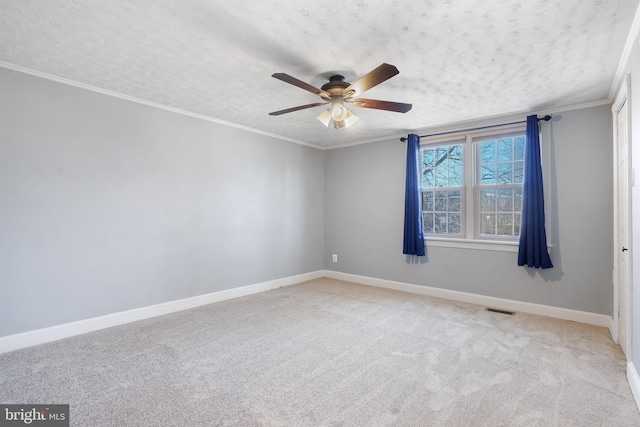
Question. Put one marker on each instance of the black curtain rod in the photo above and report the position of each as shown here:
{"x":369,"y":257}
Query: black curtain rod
{"x":545,"y":118}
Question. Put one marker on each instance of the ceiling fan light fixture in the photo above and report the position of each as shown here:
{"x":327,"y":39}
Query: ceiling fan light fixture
{"x":338,"y":110}
{"x":344,"y":119}
{"x":325,"y":117}
{"x":341,"y":115}
{"x":350,"y":119}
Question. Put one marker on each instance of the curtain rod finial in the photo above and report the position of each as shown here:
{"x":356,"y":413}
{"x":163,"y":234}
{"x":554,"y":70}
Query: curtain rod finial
{"x":546,"y":118}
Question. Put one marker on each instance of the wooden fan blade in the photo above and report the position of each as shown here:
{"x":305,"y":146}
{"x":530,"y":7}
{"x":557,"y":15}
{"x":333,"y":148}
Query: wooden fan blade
{"x":373,"y":78}
{"x":301,"y":107}
{"x":302,"y":85}
{"x":398,"y":107}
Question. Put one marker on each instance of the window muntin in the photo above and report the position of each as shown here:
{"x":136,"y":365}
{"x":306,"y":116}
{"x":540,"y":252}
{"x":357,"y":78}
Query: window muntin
{"x":476,"y":196}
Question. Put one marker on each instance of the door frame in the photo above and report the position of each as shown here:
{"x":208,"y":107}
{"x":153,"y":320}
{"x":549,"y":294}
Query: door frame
{"x":622,"y":97}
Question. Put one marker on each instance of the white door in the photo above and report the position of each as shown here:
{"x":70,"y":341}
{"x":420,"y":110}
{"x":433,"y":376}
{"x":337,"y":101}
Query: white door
{"x":622,"y":130}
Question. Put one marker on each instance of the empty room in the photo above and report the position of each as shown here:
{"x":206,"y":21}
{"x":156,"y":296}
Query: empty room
{"x":319,"y":213}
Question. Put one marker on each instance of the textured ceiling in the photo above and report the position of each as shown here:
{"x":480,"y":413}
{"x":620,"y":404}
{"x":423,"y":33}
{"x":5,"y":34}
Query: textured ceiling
{"x":458,"y":59}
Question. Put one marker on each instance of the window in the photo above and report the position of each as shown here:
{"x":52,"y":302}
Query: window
{"x":442,"y":189}
{"x":499,"y":185}
{"x":472,"y":186}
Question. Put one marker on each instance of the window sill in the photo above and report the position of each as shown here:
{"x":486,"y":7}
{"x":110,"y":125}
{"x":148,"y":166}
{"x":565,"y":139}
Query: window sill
{"x":484,"y":245}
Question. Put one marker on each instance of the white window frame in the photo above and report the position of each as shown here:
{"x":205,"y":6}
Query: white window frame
{"x":469,"y":238}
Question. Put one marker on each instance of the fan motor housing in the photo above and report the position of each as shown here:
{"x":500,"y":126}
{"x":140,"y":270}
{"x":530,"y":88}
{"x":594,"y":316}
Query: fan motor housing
{"x":336,"y":85}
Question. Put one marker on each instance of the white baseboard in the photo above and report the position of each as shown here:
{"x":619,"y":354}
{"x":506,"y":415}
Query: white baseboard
{"x":499,"y":303}
{"x":54,"y":333}
{"x":634,"y":382}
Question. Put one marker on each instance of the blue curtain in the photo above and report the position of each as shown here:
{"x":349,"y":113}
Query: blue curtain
{"x":532,"y":250}
{"x":413,"y":234}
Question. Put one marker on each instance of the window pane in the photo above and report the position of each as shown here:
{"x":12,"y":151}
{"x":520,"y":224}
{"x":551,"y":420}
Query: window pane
{"x":454,"y":223}
{"x":518,"y":172}
{"x":488,"y":174}
{"x":488,"y":152}
{"x":440,"y":201}
{"x":442,"y":156}
{"x":518,"y":149}
{"x":505,"y":200}
{"x":427,"y":200}
{"x":500,"y":211}
{"x":442,"y":177}
{"x":505,"y":149}
{"x":488,"y":225}
{"x":505,"y":173}
{"x":455,"y":176}
{"x":428,"y":179}
{"x":488,"y":200}
{"x":440,"y":223}
{"x":455,"y":155}
{"x":427,"y":158}
{"x":427,"y":222}
{"x":443,"y":166}
{"x":454,"y":201}
{"x":517,"y":200}
{"x":505,"y":224}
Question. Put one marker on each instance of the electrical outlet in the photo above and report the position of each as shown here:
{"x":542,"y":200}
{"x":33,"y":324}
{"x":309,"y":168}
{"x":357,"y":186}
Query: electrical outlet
{"x":334,"y":258}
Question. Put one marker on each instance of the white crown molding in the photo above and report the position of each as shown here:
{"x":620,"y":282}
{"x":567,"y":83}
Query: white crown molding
{"x":58,"y":332}
{"x":501,"y":119}
{"x":500,"y":303}
{"x":486,"y":121}
{"x":91,"y":88}
{"x":496,"y":120}
{"x":367,"y":141}
{"x":632,"y":38}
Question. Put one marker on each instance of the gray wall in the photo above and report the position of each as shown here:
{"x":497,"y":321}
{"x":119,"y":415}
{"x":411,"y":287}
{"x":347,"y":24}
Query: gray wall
{"x":108,"y":205}
{"x":365,"y":211}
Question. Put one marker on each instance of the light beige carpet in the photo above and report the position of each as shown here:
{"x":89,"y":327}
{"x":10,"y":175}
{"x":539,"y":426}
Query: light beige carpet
{"x":331,"y":353}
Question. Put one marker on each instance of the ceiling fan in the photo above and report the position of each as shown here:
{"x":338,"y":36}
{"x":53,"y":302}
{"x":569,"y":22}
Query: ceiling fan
{"x":337,"y":92}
